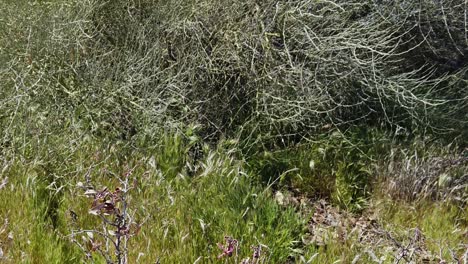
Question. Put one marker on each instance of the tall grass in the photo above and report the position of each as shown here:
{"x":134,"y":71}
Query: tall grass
{"x":183,"y":217}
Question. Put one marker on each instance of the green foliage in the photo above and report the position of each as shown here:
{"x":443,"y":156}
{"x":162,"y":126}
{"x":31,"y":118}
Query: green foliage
{"x":338,"y":166}
{"x":34,"y":219}
{"x":184,"y":216}
{"x":307,"y":93}
{"x":173,"y":153}
{"x":352,"y":185}
{"x":122,"y":68}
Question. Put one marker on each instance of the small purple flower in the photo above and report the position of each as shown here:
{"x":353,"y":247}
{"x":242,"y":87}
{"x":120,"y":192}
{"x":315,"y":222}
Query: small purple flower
{"x":229,"y":248}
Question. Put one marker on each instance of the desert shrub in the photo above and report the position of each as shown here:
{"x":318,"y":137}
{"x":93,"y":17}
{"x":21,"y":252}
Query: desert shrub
{"x":279,"y":70}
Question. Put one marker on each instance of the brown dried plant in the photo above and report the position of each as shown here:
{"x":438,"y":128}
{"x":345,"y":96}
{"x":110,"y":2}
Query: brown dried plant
{"x":110,"y":239}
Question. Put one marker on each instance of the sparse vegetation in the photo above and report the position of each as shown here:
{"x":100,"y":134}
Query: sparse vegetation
{"x":183,"y":131}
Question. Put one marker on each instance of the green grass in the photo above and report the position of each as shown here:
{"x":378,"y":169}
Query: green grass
{"x":185,"y":216}
{"x":30,"y":236}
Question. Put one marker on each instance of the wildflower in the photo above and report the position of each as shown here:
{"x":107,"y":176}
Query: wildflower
{"x":228,"y":249}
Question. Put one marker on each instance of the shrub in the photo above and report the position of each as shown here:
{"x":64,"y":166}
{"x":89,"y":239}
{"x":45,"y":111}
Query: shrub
{"x":269,"y":71}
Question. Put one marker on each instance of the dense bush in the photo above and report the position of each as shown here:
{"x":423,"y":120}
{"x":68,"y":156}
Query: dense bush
{"x":275,"y":69}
